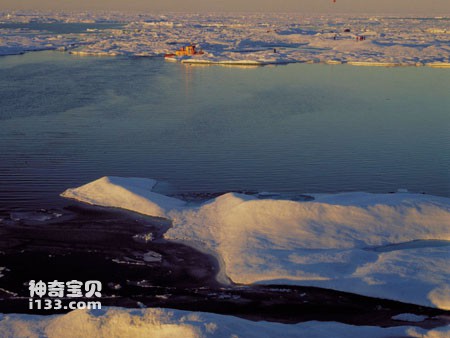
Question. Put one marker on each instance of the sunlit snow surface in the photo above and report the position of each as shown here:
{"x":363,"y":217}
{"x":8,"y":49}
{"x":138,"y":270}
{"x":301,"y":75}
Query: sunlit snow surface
{"x":131,"y":193}
{"x":393,"y":246}
{"x":244,"y":38}
{"x":117,"y":322}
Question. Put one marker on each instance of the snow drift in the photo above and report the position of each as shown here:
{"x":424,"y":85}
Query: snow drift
{"x":393,"y":246}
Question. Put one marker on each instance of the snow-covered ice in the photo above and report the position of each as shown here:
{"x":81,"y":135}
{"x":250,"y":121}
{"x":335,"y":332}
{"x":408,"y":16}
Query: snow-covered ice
{"x":393,"y":246}
{"x":235,"y":39}
{"x":328,"y":244}
{"x":131,"y":193}
{"x":118,"y":322}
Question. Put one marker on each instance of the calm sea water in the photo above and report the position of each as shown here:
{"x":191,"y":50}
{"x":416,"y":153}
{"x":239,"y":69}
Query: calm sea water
{"x":66,"y":120}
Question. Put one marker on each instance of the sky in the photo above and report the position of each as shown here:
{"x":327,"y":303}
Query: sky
{"x":424,"y":7}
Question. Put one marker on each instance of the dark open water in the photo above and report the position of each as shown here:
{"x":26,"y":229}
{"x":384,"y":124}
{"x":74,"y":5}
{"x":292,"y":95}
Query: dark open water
{"x":66,"y":120}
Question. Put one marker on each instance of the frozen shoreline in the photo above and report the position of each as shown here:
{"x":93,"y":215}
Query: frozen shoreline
{"x":342,"y":242}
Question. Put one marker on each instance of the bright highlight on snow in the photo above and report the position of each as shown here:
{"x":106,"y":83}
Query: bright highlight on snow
{"x":393,"y":246}
{"x":131,"y":193}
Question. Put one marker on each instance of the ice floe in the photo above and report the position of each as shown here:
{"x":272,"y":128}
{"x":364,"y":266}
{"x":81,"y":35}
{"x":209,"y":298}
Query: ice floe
{"x":394,"y":246}
{"x":119,"y":322}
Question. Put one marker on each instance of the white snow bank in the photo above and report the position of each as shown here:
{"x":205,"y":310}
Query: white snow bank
{"x":391,"y":246}
{"x":330,"y":242}
{"x":117,"y":322}
{"x":127,"y":193}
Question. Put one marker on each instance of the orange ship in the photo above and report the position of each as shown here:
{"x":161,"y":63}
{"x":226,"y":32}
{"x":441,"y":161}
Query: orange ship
{"x":184,"y":51}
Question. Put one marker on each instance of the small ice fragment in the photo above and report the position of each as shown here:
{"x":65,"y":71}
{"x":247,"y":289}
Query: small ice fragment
{"x":409,"y":317}
{"x":152,"y":256}
{"x":267,"y":194}
{"x":162,"y":296}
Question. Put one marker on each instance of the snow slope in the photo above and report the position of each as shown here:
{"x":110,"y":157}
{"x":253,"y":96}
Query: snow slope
{"x":127,"y":193}
{"x":393,"y":246}
{"x":123,"y":323}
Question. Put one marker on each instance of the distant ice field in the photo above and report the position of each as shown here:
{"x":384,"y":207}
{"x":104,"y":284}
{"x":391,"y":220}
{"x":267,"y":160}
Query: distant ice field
{"x":60,"y":28}
{"x":300,"y":128}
